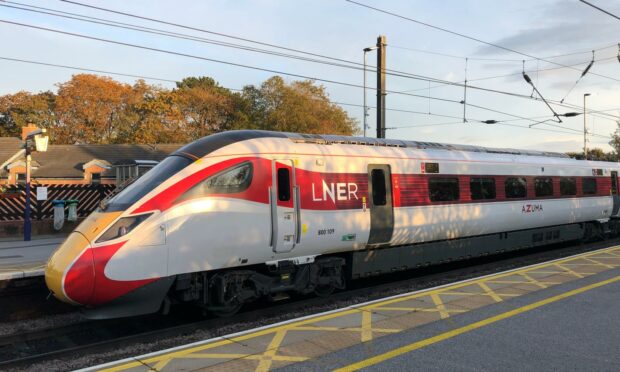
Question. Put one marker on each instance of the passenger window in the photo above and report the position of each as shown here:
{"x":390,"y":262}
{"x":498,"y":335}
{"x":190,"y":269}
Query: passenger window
{"x":589,"y":186}
{"x":443,"y":189}
{"x":378,"y":187}
{"x":543,"y":186}
{"x":568,"y":186}
{"x":284,"y":184}
{"x":482,"y":188}
{"x":229,"y":181}
{"x":515,"y":187}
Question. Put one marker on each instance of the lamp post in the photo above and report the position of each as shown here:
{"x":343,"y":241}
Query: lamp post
{"x":585,"y":130}
{"x":40,"y":145}
{"x":366,"y":50}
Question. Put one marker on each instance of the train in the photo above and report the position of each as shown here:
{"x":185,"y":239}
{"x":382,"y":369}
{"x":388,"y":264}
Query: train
{"x":245,"y":215}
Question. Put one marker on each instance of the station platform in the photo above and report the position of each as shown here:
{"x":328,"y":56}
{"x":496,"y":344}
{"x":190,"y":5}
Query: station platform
{"x":558,"y":315}
{"x":20,"y":259}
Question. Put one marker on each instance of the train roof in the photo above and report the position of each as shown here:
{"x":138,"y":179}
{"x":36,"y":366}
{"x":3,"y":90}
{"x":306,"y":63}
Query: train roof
{"x":365,"y":141}
{"x":208,"y":144}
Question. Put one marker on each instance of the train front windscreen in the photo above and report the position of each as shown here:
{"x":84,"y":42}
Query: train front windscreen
{"x":140,"y":187}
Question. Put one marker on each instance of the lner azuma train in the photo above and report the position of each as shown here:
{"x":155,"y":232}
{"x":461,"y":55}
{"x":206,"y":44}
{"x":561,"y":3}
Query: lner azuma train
{"x":241,"y":215}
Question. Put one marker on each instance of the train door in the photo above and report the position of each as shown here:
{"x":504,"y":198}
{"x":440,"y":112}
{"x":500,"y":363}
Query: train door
{"x":284,"y":200}
{"x":381,"y":208}
{"x":614,"y":192}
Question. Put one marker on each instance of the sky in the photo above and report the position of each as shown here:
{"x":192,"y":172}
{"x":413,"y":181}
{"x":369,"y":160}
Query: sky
{"x":341,"y":29}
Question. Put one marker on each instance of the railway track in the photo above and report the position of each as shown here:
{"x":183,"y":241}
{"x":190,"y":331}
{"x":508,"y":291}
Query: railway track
{"x":91,"y":342}
{"x":23,"y":299}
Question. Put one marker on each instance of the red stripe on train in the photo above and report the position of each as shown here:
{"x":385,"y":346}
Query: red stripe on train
{"x":341,"y":191}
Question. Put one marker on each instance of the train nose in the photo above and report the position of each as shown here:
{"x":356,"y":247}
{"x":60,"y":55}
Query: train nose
{"x":70,"y":272}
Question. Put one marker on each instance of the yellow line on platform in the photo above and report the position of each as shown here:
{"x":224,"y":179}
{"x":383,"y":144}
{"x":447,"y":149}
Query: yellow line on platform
{"x":455,"y":332}
{"x":398,"y":302}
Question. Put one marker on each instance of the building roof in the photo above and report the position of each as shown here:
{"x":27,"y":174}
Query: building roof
{"x":9,"y":148}
{"x":67,"y":161}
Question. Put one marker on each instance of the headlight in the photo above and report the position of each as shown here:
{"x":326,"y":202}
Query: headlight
{"x":122,"y":227}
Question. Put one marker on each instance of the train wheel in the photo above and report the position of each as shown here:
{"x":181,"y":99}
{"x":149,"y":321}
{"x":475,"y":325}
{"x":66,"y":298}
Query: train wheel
{"x":226,"y":311}
{"x":324,"y":290}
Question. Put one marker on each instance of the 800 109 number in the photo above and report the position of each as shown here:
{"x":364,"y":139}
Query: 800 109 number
{"x":326,"y":231}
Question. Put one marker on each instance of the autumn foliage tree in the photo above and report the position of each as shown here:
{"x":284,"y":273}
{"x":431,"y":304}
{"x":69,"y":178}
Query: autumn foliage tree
{"x":93,"y":109}
{"x":615,"y":141}
{"x":208,"y":108}
{"x":96,"y":109}
{"x":21,"y":108}
{"x":297,"y":107}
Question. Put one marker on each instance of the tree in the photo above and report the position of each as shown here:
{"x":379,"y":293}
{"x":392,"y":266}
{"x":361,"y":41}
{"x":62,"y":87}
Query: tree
{"x":96,"y":109}
{"x":300,"y":106}
{"x":615,"y":140}
{"x":207,"y":107}
{"x":598,"y":154}
{"x":594,"y":154}
{"x":158,"y":118}
{"x":22,"y":108}
{"x":92,"y":109}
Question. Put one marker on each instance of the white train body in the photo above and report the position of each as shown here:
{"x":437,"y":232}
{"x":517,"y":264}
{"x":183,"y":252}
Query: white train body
{"x":247,"y":198}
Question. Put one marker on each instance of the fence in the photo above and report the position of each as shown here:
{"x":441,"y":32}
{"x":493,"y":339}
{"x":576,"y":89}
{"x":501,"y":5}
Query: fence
{"x":13,"y":200}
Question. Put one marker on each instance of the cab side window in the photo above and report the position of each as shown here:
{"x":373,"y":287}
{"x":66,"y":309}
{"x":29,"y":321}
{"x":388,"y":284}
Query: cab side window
{"x":284,"y":184}
{"x":228,"y":181}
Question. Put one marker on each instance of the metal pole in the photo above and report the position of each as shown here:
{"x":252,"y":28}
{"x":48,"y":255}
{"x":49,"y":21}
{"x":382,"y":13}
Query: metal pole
{"x":27,"y":223}
{"x":585,"y":129}
{"x":381,"y":43}
{"x":365,"y":125}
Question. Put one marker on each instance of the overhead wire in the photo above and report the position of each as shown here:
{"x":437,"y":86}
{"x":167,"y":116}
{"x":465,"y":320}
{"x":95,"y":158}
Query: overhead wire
{"x":127,"y":14}
{"x":533,"y":120}
{"x":234,"y":64}
{"x":452,"y":55}
{"x":424,"y":125}
{"x":211,"y":32}
{"x":555,"y":102}
{"x":393,"y":14}
{"x":214,"y":60}
{"x":514,"y":74}
{"x":228,"y":62}
{"x":87,"y":69}
{"x":585,"y":71}
{"x":209,"y":41}
{"x":77,"y":68}
{"x":161,"y":32}
{"x":244,"y":66}
{"x":500,"y":59}
{"x":600,"y":9}
{"x":194,"y":38}
{"x":388,"y":71}
{"x":391,"y":72}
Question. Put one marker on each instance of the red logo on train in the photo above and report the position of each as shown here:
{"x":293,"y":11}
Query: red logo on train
{"x":334,"y":191}
{"x":531,"y":208}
